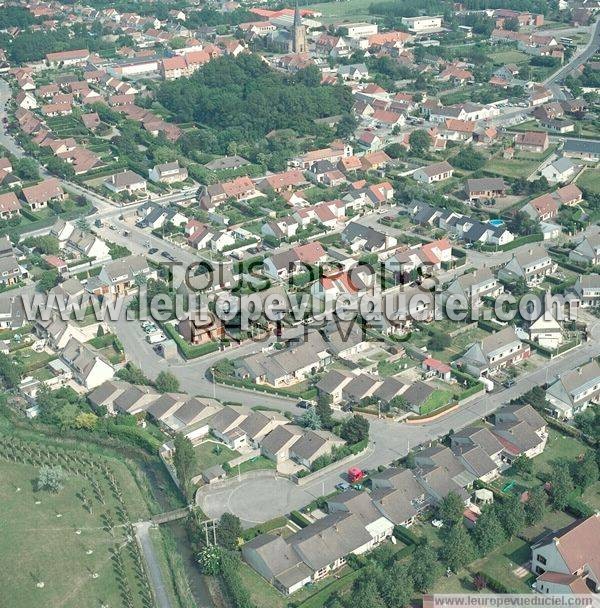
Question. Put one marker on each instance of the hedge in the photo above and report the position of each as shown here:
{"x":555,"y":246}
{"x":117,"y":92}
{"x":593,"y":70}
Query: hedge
{"x":234,"y":589}
{"x":299,"y":519}
{"x":577,"y":508}
{"x":406,"y":536}
{"x":522,"y":240}
{"x":190,"y":351}
{"x":489,"y":326}
{"x":268,"y":526}
{"x":308,"y":394}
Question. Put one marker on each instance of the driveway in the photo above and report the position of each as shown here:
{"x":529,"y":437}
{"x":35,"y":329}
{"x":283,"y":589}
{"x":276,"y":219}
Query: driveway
{"x":142,"y":534}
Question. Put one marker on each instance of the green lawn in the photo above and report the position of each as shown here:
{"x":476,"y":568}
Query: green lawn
{"x":210,"y":453}
{"x":511,"y":167}
{"x":255,"y":464}
{"x":554,"y":520}
{"x":592,"y":496}
{"x":345,"y":10}
{"x":501,"y":563}
{"x":437,"y":399}
{"x":590,"y":180}
{"x":509,"y":56}
{"x":32,"y":360}
{"x":39,"y":542}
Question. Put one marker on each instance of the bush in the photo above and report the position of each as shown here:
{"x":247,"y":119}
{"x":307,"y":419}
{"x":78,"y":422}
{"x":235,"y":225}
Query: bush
{"x":236,"y":592}
{"x":406,"y":536}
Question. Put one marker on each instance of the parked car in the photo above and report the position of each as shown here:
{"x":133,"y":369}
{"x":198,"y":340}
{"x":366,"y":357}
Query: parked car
{"x":342,"y":486}
{"x":168,"y":255}
{"x":152,"y":250}
{"x":156,"y":337}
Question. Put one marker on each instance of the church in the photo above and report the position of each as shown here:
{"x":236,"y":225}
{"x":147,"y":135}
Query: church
{"x":291,"y":40}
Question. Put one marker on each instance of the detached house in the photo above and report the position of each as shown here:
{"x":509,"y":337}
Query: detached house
{"x":434,"y":173}
{"x":474,"y":286}
{"x":532,"y":266}
{"x":121,"y":276}
{"x":240,"y":189}
{"x":168,"y":173}
{"x":364,"y":238}
{"x":89,"y":369}
{"x":532,"y":141}
{"x":285,"y":263}
{"x":38,"y":196}
{"x":9,"y":206}
{"x":485,"y":188}
{"x":567,"y":561}
{"x":574,"y":391}
{"x":587,"y":250}
{"x":587,"y":289}
{"x":520,"y":430}
{"x":494,"y":352}
{"x":126,"y":181}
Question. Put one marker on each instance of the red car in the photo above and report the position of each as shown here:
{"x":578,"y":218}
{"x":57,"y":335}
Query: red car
{"x":355,"y":475}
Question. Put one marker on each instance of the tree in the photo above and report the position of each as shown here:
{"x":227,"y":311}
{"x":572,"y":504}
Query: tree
{"x":585,"y":471}
{"x":184,"y":461}
{"x":346,"y":127}
{"x":86,"y":420}
{"x":51,"y":478}
{"x":419,"y":141}
{"x":561,"y":485}
{"x":366,"y":595}
{"x":396,"y":587}
{"x":512,"y":515}
{"x":44,"y":244}
{"x":523,"y":465}
{"x":100,"y":331}
{"x":469,"y":159}
{"x":132,"y":374}
{"x":229,"y":531}
{"x":458,"y":549}
{"x":438,"y":341}
{"x":324,"y":411}
{"x":451,"y":509}
{"x":10,"y":371}
{"x":310,"y":419}
{"x":488,"y":532}
{"x":424,"y":567}
{"x":166,"y":382}
{"x":536,"y":506}
{"x":48,"y":279}
{"x":27,"y":169}
{"x":355,"y":429}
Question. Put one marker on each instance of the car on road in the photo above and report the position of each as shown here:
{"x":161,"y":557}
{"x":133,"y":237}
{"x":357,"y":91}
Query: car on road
{"x":168,"y":255}
{"x":304,"y":405}
{"x":126,"y":233}
{"x":342,"y":486}
{"x":98,"y":223}
{"x":152,"y":250}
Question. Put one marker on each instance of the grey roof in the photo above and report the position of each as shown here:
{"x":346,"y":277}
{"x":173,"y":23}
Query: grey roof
{"x":328,"y":539}
{"x":359,"y":386}
{"x":476,"y":460}
{"x":128,"y":267}
{"x":227,"y":162}
{"x":481,"y":437}
{"x":356,"y":502}
{"x":390,"y":388}
{"x":258,"y":423}
{"x":416,"y":394}
{"x":312,"y":441}
{"x":106,"y":392}
{"x":213,"y":472}
{"x":192,"y":410}
{"x":519,"y":433}
{"x":228,"y":417}
{"x":332,"y":380}
{"x":164,"y":404}
{"x":280,"y":437}
{"x":399,"y":497}
{"x":128,"y":400}
{"x":80,"y":357}
{"x":373,"y":238}
{"x":581,"y":146}
{"x":485,"y":183}
{"x":525,"y":412}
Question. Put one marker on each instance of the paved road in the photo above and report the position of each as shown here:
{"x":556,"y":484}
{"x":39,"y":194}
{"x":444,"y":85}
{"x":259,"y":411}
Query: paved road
{"x":142,"y":533}
{"x":259,"y":499}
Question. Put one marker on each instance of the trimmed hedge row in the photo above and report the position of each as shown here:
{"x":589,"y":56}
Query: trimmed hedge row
{"x":190,"y":351}
{"x":268,"y":526}
{"x":405,"y":535}
{"x":299,"y":519}
{"x":308,"y":394}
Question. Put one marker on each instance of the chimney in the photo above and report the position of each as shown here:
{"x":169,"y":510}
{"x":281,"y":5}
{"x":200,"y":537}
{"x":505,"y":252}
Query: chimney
{"x":530,"y":251}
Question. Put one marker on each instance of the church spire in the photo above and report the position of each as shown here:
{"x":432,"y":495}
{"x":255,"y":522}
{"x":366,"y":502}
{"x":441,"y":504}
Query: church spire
{"x":297,"y":16}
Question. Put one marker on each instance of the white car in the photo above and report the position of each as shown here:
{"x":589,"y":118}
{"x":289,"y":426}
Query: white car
{"x":437,"y":523}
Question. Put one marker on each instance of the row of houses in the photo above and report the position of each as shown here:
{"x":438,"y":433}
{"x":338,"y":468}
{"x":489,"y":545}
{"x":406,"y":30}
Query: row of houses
{"x":356,"y":522}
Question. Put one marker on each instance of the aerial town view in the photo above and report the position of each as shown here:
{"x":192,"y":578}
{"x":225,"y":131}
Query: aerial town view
{"x":299,"y":303}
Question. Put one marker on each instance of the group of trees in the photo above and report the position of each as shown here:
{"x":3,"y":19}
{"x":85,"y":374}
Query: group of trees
{"x":240,"y":100}
{"x":184,"y":461}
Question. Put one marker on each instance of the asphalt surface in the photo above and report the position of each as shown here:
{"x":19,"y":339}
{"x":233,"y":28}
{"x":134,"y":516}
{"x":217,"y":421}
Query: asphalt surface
{"x":152,"y":564}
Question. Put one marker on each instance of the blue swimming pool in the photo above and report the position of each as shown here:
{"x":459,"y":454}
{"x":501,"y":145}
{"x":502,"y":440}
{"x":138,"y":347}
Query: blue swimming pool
{"x":496,"y":223}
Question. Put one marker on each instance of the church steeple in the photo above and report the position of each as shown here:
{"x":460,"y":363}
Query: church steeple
{"x":298,"y":33}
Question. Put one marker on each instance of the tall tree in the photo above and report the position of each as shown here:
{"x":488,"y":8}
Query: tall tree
{"x":512,"y":515}
{"x":419,"y":141}
{"x":488,"y":532}
{"x":424,"y":567}
{"x":396,"y":586}
{"x":451,"y":509}
{"x":184,"y":461}
{"x":536,"y":506}
{"x":229,"y":531}
{"x":561,"y":486}
{"x":585,"y":471}
{"x":355,"y":429}
{"x":458,"y":549}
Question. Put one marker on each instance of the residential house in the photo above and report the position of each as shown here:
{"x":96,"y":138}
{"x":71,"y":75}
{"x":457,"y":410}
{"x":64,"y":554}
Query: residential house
{"x":286,"y":263}
{"x":126,"y":181}
{"x":312,"y":445}
{"x":546,"y":331}
{"x":277,"y":444}
{"x":168,"y":173}
{"x":38,"y":196}
{"x":584,"y":150}
{"x":567,"y":561}
{"x":201,"y":330}
{"x":531,"y":266}
{"x":398,"y":495}
{"x":475,"y":285}
{"x":587,"y":251}
{"x":240,"y":189}
{"x":587,"y":289}
{"x":89,"y":369}
{"x":436,"y":172}
{"x":364,"y":238}
{"x":332,"y":384}
{"x":561,"y":170}
{"x":532,"y":141}
{"x":9,"y":205}
{"x":485,"y":188}
{"x":520,"y":430}
{"x":494,"y":352}
{"x":121,"y":276}
{"x":574,"y":391}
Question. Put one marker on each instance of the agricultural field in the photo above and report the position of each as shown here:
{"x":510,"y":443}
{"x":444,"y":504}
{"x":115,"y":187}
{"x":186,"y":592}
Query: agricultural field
{"x":345,"y":10}
{"x":73,"y":547}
